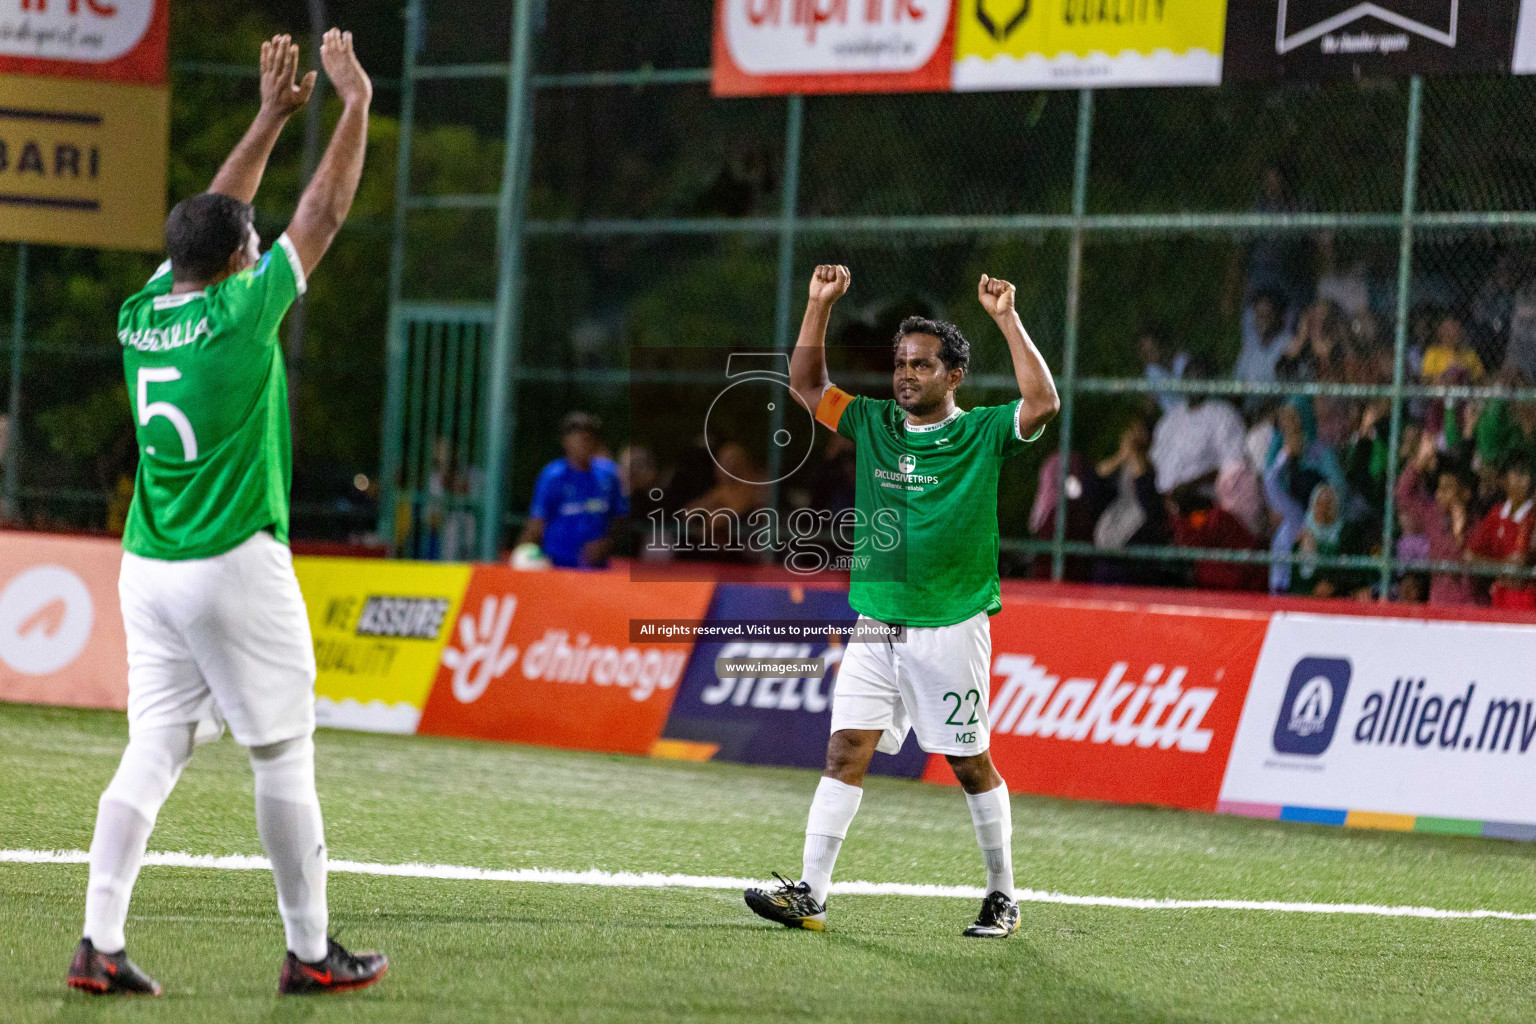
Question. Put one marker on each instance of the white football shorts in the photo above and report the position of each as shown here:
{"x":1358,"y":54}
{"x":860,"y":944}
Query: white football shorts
{"x":935,"y":681}
{"x":216,"y":640}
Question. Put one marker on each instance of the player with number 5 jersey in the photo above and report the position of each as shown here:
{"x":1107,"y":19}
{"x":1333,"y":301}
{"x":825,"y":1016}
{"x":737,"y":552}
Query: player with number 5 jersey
{"x":217,"y":631}
{"x":926,"y":475}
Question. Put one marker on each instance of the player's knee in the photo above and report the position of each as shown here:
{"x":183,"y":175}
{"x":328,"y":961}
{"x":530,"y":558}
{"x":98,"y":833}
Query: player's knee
{"x":286,"y":769}
{"x":848,"y":758}
{"x":976,"y":773}
{"x":149,"y":769}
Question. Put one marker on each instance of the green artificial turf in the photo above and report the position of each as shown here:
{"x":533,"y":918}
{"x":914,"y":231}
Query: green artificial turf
{"x":489,"y":951}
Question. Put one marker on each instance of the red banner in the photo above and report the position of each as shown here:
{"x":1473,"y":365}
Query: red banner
{"x":545,"y":657}
{"x":61,"y":633}
{"x":1116,"y":702}
{"x":774,"y":47}
{"x":116,"y":41}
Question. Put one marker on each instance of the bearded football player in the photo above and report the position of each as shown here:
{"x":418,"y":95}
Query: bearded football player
{"x":931,"y":468}
{"x":216,"y":626}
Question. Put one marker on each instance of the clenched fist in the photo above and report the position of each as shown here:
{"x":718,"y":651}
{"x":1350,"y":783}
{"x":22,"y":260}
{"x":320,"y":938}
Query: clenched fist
{"x":996,"y":295}
{"x":829,"y":283}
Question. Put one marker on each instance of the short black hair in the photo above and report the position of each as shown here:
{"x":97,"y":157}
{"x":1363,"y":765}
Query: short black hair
{"x":954,"y":350}
{"x":202,"y":232}
{"x":578,"y":420}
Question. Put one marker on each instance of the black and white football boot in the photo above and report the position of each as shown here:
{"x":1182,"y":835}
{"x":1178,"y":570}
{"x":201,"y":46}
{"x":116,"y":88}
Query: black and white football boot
{"x":999,"y":918}
{"x":340,"y":971}
{"x":791,"y":905}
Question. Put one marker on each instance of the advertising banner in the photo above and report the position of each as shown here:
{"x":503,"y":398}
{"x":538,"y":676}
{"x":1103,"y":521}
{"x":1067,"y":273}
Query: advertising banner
{"x":1390,"y":723}
{"x":546,"y":657}
{"x":1525,"y":39}
{"x":61,"y":631}
{"x":84,"y":122}
{"x":1058,"y":44}
{"x":774,"y":47}
{"x":1305,"y":39}
{"x":379,"y":629}
{"x":769,"y":720}
{"x":1124,"y":703}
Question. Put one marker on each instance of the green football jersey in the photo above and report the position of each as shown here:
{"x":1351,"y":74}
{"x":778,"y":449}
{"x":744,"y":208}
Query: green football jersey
{"x":926,"y":500}
{"x":209,"y":398}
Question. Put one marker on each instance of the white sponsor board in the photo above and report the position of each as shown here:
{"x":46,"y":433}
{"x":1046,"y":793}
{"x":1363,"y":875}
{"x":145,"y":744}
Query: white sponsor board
{"x":1525,"y":39}
{"x":817,"y":37}
{"x":89,"y":31}
{"x":1390,"y":716}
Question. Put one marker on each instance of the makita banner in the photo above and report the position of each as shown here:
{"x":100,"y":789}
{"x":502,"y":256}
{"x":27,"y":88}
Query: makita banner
{"x":765,"y":720}
{"x":1117,"y":702}
{"x":546,"y":657}
{"x":1386,"y":721}
{"x":1305,"y":39}
{"x":770,"y":47}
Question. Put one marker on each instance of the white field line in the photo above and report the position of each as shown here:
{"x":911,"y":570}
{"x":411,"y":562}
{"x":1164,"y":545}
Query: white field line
{"x":656,"y":880}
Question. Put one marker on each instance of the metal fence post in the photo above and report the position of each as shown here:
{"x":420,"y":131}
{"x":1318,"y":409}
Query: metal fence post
{"x":395,"y":342}
{"x":1069,"y":331}
{"x":783,"y":309}
{"x":1400,"y":336}
{"x":13,"y":427}
{"x":501,"y":400}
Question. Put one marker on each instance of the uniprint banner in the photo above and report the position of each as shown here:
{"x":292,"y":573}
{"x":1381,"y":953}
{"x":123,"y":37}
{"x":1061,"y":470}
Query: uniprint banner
{"x":1387,"y":722}
{"x":1304,"y":39}
{"x":61,"y":631}
{"x":545,"y":657}
{"x":84,"y":122}
{"x":379,"y":629}
{"x":101,"y":40}
{"x":1122,"y":703}
{"x":769,"y":720}
{"x":1050,"y":44}
{"x":773,"y":47}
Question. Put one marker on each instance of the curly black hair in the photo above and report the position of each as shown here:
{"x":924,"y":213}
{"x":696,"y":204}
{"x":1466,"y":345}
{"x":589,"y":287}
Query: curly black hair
{"x":954,"y":350}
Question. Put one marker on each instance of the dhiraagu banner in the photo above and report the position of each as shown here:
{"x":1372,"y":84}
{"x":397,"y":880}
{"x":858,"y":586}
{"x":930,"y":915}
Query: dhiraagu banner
{"x":379,"y":630}
{"x":1059,"y":44}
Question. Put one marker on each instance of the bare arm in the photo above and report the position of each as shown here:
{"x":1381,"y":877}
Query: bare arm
{"x":328,"y":198}
{"x":281,"y":95}
{"x":808,"y":364}
{"x":1036,"y":386}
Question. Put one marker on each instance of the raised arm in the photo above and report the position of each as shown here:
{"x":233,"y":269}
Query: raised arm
{"x":1036,"y":385}
{"x":328,"y":198}
{"x":808,"y":364}
{"x":281,"y":95}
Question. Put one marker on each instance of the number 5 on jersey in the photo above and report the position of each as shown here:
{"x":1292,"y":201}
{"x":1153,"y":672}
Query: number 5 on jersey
{"x":149,"y":410}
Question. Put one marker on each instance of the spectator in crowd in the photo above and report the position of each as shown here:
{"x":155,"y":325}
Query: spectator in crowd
{"x":1080,"y":514}
{"x":1325,"y":534}
{"x":734,"y":489}
{"x":1318,"y":347}
{"x":1198,"y":522}
{"x":1127,"y":508}
{"x":1276,"y":261}
{"x":1504,"y":536}
{"x":1299,"y":462}
{"x":1191,"y":443}
{"x":1265,"y":339}
{"x":1348,"y":288}
{"x":1450,"y":351}
{"x":834,"y":478}
{"x":576,"y":501}
{"x":1156,"y":367}
{"x":1493,"y":310}
{"x":1506,"y":429}
{"x":1520,"y":353}
{"x":1435,"y":522}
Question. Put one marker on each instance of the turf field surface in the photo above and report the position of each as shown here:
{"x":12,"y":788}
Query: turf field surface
{"x":473,"y":949}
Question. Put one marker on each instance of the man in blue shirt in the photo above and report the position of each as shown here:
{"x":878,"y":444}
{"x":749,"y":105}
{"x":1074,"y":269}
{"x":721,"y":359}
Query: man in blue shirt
{"x":575,"y":500}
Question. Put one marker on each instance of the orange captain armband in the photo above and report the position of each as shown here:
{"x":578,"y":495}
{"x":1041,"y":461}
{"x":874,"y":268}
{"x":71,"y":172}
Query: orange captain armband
{"x":834,"y":402}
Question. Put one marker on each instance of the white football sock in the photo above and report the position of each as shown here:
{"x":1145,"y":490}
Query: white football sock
{"x":993,"y":818}
{"x":288,"y":821}
{"x":832,"y":811}
{"x":125,"y":816}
